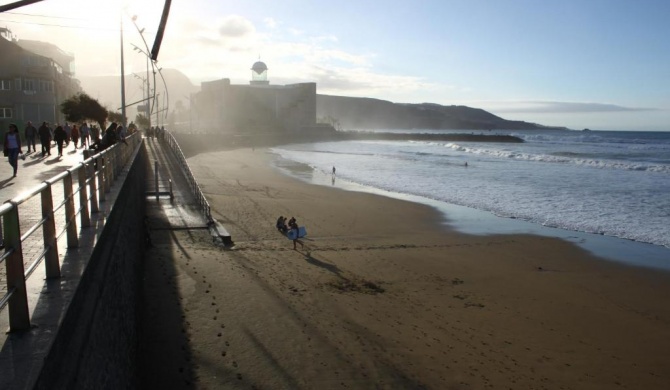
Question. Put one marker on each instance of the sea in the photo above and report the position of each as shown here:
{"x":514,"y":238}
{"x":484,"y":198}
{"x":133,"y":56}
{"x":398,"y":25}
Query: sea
{"x":607,"y":191}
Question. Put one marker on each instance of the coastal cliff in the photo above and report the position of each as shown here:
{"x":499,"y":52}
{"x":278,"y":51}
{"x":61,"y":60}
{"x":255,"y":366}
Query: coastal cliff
{"x":366,"y":113}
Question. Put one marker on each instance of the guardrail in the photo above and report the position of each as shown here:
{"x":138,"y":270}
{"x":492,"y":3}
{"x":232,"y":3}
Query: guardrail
{"x":195,"y":188}
{"x":94,"y":178}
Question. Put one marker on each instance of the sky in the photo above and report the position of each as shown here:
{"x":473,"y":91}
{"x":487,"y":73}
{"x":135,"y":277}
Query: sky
{"x":598,"y":64}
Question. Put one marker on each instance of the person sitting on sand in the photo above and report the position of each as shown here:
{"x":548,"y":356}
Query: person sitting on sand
{"x":281,"y":224}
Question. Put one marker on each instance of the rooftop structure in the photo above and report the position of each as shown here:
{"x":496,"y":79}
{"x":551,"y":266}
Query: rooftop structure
{"x":257,"y":107}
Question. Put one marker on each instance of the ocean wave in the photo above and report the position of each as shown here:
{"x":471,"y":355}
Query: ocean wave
{"x":612,"y":139}
{"x":562,"y":157}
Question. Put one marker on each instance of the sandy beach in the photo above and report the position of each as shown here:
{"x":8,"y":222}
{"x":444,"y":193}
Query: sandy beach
{"x":384,"y":296}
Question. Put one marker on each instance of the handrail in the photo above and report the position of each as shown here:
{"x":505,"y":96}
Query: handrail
{"x":93,"y":176}
{"x":193,"y":184}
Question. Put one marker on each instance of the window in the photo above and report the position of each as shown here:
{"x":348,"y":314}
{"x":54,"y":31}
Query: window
{"x":29,"y":85}
{"x":34,"y":61}
{"x":5,"y":85}
{"x":5,"y":112}
{"x":46,"y":86}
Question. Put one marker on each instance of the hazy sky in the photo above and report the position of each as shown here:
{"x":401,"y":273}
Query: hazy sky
{"x":602,"y":64}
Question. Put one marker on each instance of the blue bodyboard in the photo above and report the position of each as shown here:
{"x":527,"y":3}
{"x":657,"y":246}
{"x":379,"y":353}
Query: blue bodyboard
{"x":301,"y":232}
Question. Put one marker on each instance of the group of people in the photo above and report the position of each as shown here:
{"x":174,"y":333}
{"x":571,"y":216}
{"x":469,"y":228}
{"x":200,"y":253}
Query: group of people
{"x":155,"y":132}
{"x":81,"y":136}
{"x":284,"y":227}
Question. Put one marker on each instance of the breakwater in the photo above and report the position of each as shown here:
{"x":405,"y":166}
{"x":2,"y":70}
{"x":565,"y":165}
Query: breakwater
{"x":193,"y":144}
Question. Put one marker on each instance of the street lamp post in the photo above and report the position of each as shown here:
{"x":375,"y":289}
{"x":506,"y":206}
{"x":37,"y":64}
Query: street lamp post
{"x":123,"y":81}
{"x":154,"y":69}
{"x":137,"y":49}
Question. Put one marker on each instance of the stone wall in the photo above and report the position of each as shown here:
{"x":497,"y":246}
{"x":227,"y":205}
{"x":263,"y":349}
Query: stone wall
{"x":96,"y":345}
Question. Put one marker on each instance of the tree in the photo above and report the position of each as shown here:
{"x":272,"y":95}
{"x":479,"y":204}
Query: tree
{"x":142,"y":121}
{"x":81,"y":107}
{"x":115,"y":117}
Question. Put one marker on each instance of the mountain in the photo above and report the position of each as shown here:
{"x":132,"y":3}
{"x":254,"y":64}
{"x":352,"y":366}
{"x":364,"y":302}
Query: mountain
{"x":366,"y":113}
{"x":346,"y":112}
{"x":107,"y":89}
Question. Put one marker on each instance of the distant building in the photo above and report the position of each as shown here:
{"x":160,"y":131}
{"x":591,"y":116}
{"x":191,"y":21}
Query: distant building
{"x":35,"y":77}
{"x":257,"y":107}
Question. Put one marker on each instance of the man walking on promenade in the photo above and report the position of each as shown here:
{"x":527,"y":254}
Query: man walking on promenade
{"x":30,"y":133}
{"x":45,"y":139}
{"x":60,"y":136}
{"x":84,"y":133}
{"x":68,"y":131}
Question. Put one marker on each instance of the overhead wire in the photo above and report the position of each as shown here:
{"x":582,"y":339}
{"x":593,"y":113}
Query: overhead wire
{"x":55,"y":25}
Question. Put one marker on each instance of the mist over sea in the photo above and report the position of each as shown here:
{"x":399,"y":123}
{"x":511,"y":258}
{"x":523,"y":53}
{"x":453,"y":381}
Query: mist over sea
{"x":604,"y":182}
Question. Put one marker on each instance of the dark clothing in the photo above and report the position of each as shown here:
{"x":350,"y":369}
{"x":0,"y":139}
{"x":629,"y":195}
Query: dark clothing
{"x":60,"y":136}
{"x":31,"y":134}
{"x":74,"y":135}
{"x":45,"y":139}
{"x":281,"y":224}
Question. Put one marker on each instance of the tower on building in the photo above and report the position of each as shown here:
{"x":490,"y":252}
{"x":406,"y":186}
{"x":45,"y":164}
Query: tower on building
{"x":259,"y":74}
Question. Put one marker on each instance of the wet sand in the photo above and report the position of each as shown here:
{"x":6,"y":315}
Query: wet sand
{"x":384,"y":296}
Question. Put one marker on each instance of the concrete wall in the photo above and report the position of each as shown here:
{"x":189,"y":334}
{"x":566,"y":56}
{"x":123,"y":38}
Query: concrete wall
{"x":96,"y":345}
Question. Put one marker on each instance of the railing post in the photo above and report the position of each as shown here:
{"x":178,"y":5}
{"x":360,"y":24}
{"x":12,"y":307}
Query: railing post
{"x":19,"y":316}
{"x":106,"y":171}
{"x":171,"y":193}
{"x":91,"y":174}
{"x":83,"y":196}
{"x":156,"y":178}
{"x":70,"y":215}
{"x":111,"y":165}
{"x":51,"y":261}
{"x":102,"y":182}
{"x":119,"y":158}
{"x":116,"y":152}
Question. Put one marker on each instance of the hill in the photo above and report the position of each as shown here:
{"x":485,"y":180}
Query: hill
{"x":367,"y":113}
{"x":347,"y":112}
{"x":107,"y":89}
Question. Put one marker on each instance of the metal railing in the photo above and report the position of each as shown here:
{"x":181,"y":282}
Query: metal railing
{"x":195,"y":188}
{"x":84,"y":186}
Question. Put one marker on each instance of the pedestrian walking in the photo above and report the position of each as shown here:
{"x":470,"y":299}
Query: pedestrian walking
{"x":60,"y":136}
{"x":45,"y":138}
{"x":30,"y":133}
{"x":75,"y":136}
{"x":84,"y":133}
{"x":95,"y":134}
{"x":68,"y":132}
{"x":12,"y":147}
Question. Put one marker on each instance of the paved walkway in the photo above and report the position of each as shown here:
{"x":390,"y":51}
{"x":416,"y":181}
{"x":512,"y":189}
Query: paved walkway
{"x":35,"y":169}
{"x":32,"y":172}
{"x":22,"y":353}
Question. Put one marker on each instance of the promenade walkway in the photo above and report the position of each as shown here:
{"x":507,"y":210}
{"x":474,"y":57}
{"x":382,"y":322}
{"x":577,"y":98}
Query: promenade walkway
{"x":32,"y":171}
{"x":175,"y":210}
{"x":22,"y":353}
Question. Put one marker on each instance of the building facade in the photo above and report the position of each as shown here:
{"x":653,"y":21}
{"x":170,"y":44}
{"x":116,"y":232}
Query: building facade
{"x":255,"y":108}
{"x":35,"y":77}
